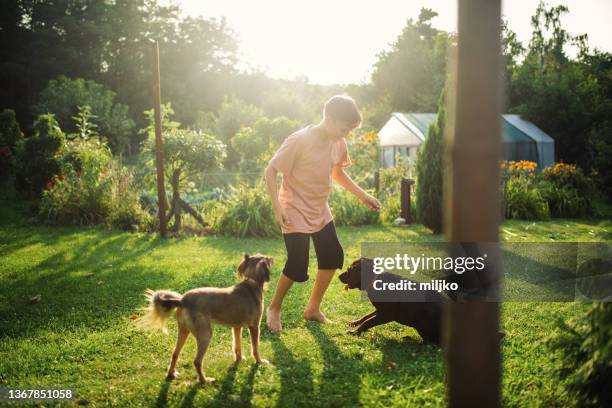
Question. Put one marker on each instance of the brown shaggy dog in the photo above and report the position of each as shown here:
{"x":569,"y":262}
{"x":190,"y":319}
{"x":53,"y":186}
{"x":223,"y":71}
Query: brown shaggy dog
{"x":238,"y":306}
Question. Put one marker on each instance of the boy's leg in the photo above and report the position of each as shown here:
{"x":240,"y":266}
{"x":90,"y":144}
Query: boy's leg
{"x":295,"y":270}
{"x":273,"y":318}
{"x":313,"y":308}
{"x":330,"y":256}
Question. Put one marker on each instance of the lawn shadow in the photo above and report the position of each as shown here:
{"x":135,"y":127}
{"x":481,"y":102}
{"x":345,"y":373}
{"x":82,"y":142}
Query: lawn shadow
{"x":341,"y":376}
{"x":295,"y":375}
{"x":227,"y":388}
{"x":187,"y":401}
{"x":78,"y":285}
{"x":162,"y":396}
{"x":247,"y":389}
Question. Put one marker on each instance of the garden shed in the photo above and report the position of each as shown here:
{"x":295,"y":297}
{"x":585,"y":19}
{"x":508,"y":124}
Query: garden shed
{"x":521,"y":140}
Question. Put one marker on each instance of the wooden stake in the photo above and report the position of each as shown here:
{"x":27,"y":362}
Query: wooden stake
{"x":472,"y":200}
{"x":159,"y":158}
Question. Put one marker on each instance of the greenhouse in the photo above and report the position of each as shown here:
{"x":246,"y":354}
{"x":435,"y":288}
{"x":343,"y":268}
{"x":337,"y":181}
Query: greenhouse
{"x":403,"y":133}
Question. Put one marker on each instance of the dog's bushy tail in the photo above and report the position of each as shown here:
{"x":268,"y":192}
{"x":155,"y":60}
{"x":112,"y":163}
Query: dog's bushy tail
{"x":161,"y":304}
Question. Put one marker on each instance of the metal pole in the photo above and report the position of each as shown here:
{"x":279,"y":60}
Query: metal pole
{"x":472,"y":201}
{"x":159,"y":158}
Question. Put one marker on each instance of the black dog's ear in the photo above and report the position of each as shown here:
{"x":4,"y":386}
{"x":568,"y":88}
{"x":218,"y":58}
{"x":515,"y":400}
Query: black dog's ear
{"x":367,"y":264}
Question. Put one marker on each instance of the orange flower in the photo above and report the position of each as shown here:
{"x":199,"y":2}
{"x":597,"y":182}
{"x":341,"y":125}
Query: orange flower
{"x":370,"y":137}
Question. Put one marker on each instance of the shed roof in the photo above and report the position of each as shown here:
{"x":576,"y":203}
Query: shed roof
{"x":514,"y":129}
{"x":528,"y":128}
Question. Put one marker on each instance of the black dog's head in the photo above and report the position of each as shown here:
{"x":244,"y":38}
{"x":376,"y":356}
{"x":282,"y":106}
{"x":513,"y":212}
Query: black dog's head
{"x":352,"y":277}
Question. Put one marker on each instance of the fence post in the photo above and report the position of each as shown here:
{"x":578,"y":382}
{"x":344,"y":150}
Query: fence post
{"x":406,"y":212}
{"x":159,"y":148}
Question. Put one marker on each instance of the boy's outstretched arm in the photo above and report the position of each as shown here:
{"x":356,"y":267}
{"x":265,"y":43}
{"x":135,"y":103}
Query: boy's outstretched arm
{"x":340,"y":177}
{"x":279,"y":212}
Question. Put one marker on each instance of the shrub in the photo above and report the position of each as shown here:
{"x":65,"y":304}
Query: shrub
{"x":391,"y":209}
{"x":429,"y":173}
{"x":93,"y":189}
{"x":584,"y":348}
{"x":232,"y":116}
{"x":37,"y":160}
{"x":390,"y":179}
{"x":187,"y":153}
{"x":390,"y":191}
{"x":564,"y":202}
{"x":523,"y":201}
{"x":568,"y":175}
{"x":246,"y":212}
{"x":574,"y":195}
{"x":10,"y":135}
{"x":63,"y":96}
{"x":251,"y":147}
{"x":348,"y":210}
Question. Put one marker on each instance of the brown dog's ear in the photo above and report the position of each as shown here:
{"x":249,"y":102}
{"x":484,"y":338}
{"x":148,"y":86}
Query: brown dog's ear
{"x":263,"y":270}
{"x":243,"y":265}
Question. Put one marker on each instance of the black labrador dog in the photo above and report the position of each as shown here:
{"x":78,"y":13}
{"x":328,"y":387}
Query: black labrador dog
{"x":421,"y":310}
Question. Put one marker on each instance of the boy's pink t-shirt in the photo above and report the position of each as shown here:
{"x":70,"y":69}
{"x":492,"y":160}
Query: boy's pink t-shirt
{"x":306,"y":160}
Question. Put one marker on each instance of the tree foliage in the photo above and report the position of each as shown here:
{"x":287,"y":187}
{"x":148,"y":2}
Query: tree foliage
{"x":66,"y":98}
{"x":568,"y":98}
{"x":412,"y":72}
{"x":429,"y":173}
{"x":109,"y":42}
{"x":255,"y":144}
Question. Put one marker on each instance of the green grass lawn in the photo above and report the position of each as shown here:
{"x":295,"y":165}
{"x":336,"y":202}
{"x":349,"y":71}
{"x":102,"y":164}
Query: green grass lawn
{"x":92,"y":280}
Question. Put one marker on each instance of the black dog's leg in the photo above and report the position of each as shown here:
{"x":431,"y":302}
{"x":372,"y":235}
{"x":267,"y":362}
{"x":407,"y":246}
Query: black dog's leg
{"x":363,"y":319}
{"x":375,"y":320}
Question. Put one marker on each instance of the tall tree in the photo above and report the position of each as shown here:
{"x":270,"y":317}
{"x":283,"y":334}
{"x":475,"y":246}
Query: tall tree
{"x":412,"y":72}
{"x":108,"y":42}
{"x":551,"y":90}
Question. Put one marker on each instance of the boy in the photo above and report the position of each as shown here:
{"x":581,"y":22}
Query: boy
{"x":309,"y":159}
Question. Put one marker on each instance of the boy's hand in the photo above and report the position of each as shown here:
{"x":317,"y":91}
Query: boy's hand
{"x":281,"y":217}
{"x":371,"y":202}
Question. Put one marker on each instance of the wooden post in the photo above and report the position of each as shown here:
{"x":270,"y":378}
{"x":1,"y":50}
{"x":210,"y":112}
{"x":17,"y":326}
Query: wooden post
{"x":472,"y":200}
{"x":405,"y":200}
{"x":159,"y":148}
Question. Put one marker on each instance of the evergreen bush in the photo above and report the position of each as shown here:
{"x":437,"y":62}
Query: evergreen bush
{"x":429,"y":173}
{"x":584,"y":348}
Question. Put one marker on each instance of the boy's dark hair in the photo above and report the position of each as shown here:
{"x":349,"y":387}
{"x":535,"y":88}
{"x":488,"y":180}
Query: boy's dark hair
{"x":343,"y":108}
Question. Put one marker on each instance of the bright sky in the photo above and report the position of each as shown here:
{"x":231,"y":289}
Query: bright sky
{"x":337,"y":41}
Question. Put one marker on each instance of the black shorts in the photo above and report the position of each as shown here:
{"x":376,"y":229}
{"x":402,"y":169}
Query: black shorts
{"x":329,"y":252}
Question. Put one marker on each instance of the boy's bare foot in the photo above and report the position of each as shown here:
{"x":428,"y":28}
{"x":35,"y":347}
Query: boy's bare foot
{"x":316,"y":315}
{"x":273,"y":320}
